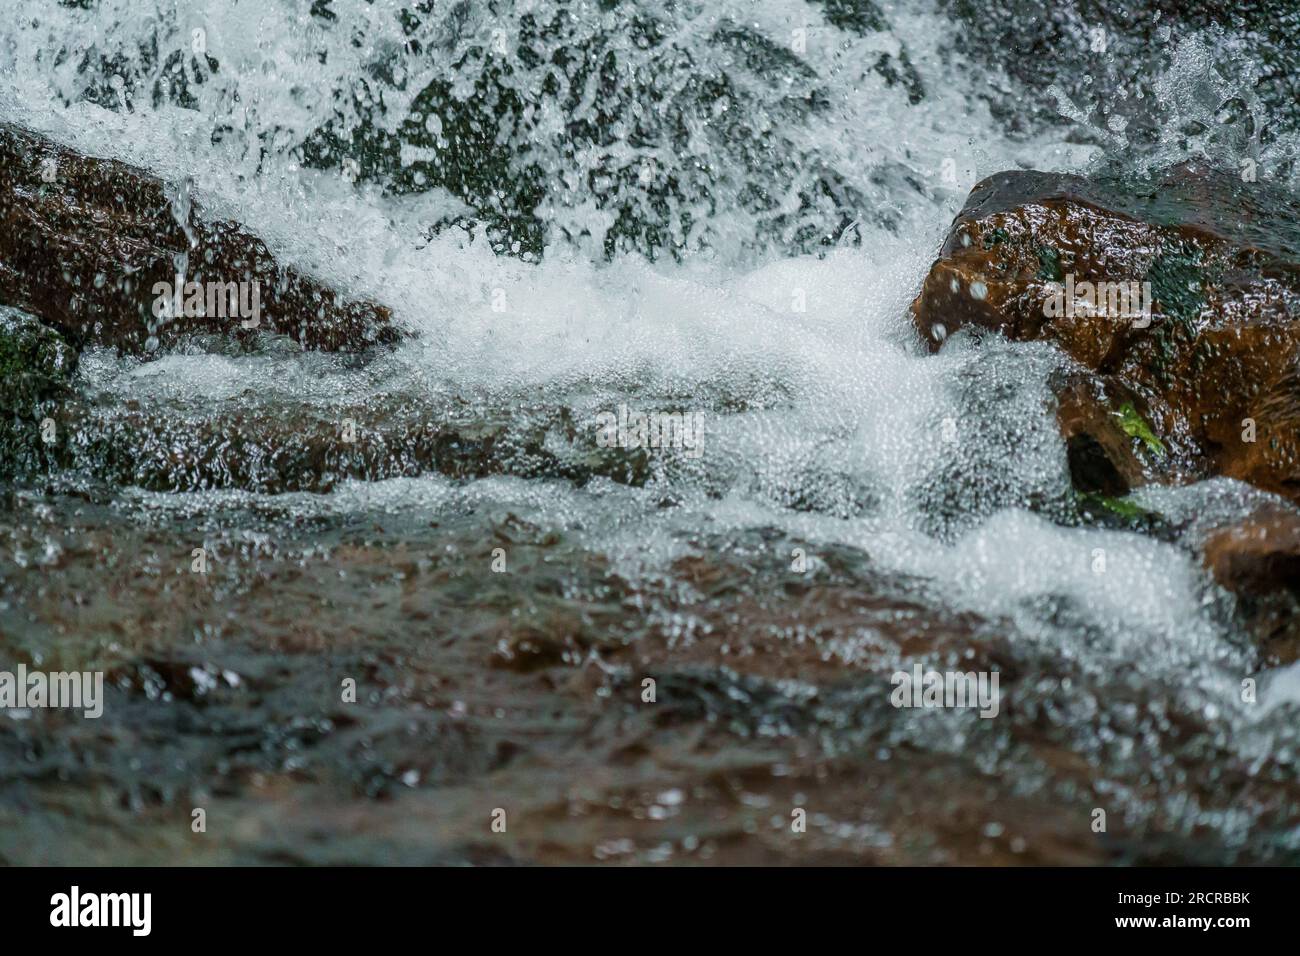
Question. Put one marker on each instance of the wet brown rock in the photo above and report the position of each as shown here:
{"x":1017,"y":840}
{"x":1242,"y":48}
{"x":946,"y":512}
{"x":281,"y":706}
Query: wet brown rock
{"x":84,"y":240}
{"x":1219,"y":261}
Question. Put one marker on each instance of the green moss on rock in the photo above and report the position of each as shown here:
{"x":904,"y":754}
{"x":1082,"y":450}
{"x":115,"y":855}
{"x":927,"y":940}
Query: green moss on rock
{"x":1118,"y":513}
{"x":1135,"y":426}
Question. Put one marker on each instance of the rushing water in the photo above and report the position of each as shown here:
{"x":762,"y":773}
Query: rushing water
{"x":716,"y":208}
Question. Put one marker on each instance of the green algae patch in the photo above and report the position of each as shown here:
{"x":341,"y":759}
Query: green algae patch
{"x":1049,"y":264}
{"x":1135,"y":426}
{"x":1120,"y":507}
{"x":1122,"y":514}
{"x":1177,"y":284}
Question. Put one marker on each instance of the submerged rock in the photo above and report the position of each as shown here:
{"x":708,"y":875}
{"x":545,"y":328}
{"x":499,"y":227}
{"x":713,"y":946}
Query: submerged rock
{"x":1178,"y":297}
{"x":87,"y":243}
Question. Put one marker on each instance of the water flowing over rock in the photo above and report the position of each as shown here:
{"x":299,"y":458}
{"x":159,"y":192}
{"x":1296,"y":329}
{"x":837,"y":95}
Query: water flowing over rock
{"x":254,"y":448}
{"x":1178,"y":300}
{"x":86,"y":244}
